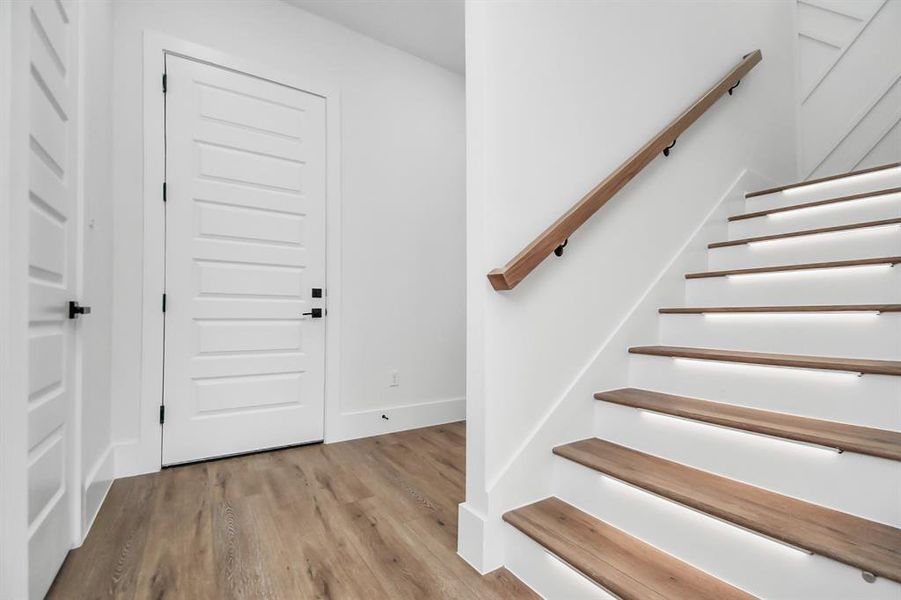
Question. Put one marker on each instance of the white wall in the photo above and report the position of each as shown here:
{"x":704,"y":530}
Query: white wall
{"x":402,"y":165}
{"x":849,"y":92}
{"x":558,"y":94}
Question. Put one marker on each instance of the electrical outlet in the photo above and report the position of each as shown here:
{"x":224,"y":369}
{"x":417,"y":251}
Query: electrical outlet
{"x":395,"y":379}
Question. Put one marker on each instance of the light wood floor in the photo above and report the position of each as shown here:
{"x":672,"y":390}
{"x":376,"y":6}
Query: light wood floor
{"x":369,"y":519}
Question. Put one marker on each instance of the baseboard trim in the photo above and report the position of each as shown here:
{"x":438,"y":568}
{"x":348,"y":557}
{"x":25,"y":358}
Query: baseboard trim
{"x":355,"y":425}
{"x":480,"y":541}
{"x":96,"y":486}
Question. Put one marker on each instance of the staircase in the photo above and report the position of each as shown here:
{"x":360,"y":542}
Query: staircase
{"x":756,"y":450}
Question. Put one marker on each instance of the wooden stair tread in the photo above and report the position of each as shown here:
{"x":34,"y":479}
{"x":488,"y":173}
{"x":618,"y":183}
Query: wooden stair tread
{"x":852,"y":438}
{"x":691,"y":310}
{"x":867,"y":545}
{"x":854,"y":365}
{"x":821,"y":180}
{"x":612,"y":558}
{"x":835,"y":264}
{"x":770,"y":211}
{"x":804,"y":232}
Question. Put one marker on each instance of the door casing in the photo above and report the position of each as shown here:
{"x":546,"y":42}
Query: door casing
{"x":144,"y":454}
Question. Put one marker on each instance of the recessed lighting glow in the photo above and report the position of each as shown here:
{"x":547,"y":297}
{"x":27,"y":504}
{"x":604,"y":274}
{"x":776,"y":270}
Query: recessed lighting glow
{"x":751,"y":367}
{"x":826,"y":236}
{"x":787,"y":214}
{"x":810,"y":272}
{"x":834,"y":183}
{"x":756,"y":316}
{"x":702,"y":519}
{"x":585,"y":586}
{"x":674,"y":420}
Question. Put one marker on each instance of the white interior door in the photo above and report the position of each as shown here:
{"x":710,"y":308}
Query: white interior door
{"x":245,"y":246}
{"x":53,"y":219}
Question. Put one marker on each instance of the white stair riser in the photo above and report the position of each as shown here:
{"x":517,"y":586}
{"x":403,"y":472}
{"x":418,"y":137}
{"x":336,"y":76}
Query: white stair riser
{"x":845,"y":245}
{"x":830,"y":215}
{"x":870,"y":400}
{"x":887,"y":179}
{"x":861,"y":335}
{"x":862,"y":485}
{"x":544,"y":573}
{"x":859,"y":285}
{"x":745,"y":560}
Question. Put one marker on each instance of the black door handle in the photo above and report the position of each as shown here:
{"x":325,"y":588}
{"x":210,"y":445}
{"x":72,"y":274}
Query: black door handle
{"x":316,"y":313}
{"x":75,"y":309}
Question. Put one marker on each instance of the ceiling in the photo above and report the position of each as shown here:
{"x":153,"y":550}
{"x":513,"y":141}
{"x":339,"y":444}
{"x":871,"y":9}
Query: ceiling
{"x":429,"y":29}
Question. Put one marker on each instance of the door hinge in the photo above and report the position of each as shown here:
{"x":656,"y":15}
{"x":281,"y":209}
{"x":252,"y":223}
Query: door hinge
{"x":164,"y":302}
{"x":164,"y":191}
{"x":162,"y":413}
{"x":164,"y":83}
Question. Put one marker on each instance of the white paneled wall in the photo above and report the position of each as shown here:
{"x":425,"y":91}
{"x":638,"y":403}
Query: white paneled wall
{"x":849,"y":84}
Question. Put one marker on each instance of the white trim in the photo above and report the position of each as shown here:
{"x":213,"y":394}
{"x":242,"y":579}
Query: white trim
{"x":365,"y":423}
{"x":100,"y":475}
{"x":76,"y":413}
{"x":143,"y":455}
{"x":14,"y":229}
{"x":471,"y":537}
{"x":14,"y":304}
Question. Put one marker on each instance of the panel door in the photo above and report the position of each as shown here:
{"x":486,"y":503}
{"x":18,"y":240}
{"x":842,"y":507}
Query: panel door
{"x":245,"y":245}
{"x":53,"y":214}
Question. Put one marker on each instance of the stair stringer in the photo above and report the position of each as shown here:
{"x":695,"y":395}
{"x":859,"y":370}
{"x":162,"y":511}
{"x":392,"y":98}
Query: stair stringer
{"x":529,"y":475}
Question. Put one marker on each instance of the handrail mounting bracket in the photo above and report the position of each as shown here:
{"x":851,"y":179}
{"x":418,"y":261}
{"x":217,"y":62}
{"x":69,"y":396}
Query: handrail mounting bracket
{"x":667,"y":149}
{"x":558,"y":251}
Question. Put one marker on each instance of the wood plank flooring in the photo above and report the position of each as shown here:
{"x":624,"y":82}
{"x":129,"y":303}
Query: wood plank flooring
{"x":368,"y":519}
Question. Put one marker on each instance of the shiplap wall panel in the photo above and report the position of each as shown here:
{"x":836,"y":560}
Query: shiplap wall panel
{"x":886,"y":150}
{"x":849,"y":68}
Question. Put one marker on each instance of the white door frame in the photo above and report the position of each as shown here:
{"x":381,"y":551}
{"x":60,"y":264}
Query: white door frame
{"x":144,"y":455}
{"x":14,"y":48}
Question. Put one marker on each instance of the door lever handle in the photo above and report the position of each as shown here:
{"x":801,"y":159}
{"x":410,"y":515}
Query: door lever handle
{"x":316,"y":313}
{"x":75,"y":309}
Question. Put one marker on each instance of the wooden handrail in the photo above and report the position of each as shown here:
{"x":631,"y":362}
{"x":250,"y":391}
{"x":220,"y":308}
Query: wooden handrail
{"x":507,"y":277}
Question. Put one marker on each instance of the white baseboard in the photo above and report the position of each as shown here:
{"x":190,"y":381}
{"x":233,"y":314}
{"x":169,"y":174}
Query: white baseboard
{"x":97,"y":483}
{"x":475,"y":542}
{"x":135,"y":457}
{"x":349,"y":426}
{"x":131,"y":458}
